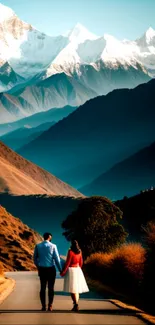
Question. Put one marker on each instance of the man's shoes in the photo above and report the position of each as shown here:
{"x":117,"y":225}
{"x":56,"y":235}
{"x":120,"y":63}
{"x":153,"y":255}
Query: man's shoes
{"x":50,"y":308}
{"x":43,"y":309}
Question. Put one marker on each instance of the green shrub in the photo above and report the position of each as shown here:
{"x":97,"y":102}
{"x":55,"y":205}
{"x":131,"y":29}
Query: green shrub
{"x":95,"y":224}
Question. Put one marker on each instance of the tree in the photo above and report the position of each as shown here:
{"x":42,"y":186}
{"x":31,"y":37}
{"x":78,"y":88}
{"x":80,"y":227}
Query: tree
{"x":95,"y":225}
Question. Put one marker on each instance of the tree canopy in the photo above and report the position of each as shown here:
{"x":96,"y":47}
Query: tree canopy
{"x":95,"y":225}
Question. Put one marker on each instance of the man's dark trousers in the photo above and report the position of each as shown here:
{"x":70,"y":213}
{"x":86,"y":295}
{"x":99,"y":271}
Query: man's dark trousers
{"x":47,"y":276}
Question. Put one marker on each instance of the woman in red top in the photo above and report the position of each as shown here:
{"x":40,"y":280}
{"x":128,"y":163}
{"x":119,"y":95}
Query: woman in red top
{"x":74,"y":281}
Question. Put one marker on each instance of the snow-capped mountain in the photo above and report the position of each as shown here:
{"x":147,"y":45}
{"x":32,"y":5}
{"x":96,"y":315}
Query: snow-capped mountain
{"x":30,"y":52}
{"x":5,"y":13}
{"x":40,"y":72}
{"x":27,"y":50}
{"x":146,"y":55}
{"x":85,"y":48}
{"x":148,"y":39}
{"x":79,"y":34}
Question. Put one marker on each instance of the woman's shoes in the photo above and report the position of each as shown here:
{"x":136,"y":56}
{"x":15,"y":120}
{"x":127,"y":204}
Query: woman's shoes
{"x":50,"y":308}
{"x":75,"y":308}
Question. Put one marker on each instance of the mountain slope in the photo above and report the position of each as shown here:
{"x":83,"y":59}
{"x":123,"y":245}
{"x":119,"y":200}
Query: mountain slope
{"x":99,"y":134}
{"x":126,"y":178}
{"x":19,"y":176}
{"x":61,"y":89}
{"x":137,"y":211}
{"x":56,"y":91}
{"x":17,"y":243}
{"x":8,"y":77}
{"x":50,"y":116}
{"x":22,"y":136}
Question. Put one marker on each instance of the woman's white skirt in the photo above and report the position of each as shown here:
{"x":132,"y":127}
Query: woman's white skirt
{"x":74,"y":281}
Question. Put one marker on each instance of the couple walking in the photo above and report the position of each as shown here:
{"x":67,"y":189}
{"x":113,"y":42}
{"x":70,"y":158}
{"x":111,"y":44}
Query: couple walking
{"x":46,"y":256}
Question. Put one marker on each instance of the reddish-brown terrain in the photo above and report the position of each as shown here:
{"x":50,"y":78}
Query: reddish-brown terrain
{"x":19,"y":176}
{"x":17,"y":243}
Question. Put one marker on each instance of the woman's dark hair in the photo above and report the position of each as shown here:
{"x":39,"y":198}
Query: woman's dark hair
{"x":75,"y":246}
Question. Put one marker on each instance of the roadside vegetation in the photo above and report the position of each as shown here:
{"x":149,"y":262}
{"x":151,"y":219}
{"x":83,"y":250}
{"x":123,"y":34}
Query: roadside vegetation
{"x":127,"y":268}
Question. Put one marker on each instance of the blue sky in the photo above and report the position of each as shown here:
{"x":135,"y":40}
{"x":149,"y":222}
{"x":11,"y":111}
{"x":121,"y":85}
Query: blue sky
{"x":121,"y":18}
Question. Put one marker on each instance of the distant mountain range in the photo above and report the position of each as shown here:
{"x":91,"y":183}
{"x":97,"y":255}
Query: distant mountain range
{"x":39,"y":72}
{"x":20,"y":177}
{"x":51,"y":116}
{"x":17,"y":243}
{"x":98,"y":135}
{"x":127,"y":177}
{"x":22,"y":136}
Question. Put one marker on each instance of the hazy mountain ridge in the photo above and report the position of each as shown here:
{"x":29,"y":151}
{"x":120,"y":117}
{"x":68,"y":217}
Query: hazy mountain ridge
{"x":52,"y":115}
{"x":22,"y":136}
{"x":126,"y":178}
{"x":99,"y":134}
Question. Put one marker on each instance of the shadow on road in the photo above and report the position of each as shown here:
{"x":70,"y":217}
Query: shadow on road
{"x":88,"y":295}
{"x":125,"y":312}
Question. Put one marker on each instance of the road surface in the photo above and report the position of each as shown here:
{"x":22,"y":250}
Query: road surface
{"x":23,"y":306}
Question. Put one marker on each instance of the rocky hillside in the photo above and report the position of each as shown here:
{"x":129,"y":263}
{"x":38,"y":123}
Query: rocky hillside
{"x":17,"y":243}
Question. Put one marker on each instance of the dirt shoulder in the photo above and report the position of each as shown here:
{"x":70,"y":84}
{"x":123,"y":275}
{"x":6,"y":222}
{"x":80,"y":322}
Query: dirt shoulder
{"x":6,"y":287}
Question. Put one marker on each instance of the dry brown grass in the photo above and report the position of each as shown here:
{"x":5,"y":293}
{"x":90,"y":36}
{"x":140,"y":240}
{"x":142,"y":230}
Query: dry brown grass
{"x":121,"y":268}
{"x":19,"y":176}
{"x":150,"y":234}
{"x":17,"y":243}
{"x":133,"y":257}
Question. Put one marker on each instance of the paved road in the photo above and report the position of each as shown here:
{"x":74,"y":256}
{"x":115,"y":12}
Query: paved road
{"x":23,"y":306}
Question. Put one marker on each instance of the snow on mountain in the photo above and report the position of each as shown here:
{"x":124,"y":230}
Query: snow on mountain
{"x":147,"y":39}
{"x":80,"y":34}
{"x":150,"y":35}
{"x":5,"y":13}
{"x":27,"y":50}
{"x":40,"y":71}
{"x":86,"y":48}
{"x":31,"y":52}
{"x":12,"y":34}
{"x":69,"y":58}
{"x":37,"y":51}
{"x":146,"y":55}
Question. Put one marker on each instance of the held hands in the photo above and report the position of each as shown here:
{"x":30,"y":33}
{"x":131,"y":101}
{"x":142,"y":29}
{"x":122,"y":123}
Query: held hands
{"x":62,"y":273}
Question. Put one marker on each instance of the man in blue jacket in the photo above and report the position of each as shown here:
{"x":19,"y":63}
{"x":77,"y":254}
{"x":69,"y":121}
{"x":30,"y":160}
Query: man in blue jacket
{"x":45,"y":258}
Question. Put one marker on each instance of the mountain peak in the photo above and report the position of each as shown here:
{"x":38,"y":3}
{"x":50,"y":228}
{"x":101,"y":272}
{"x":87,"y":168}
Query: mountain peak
{"x":80,"y":33}
{"x":5,"y":12}
{"x":150,"y":33}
